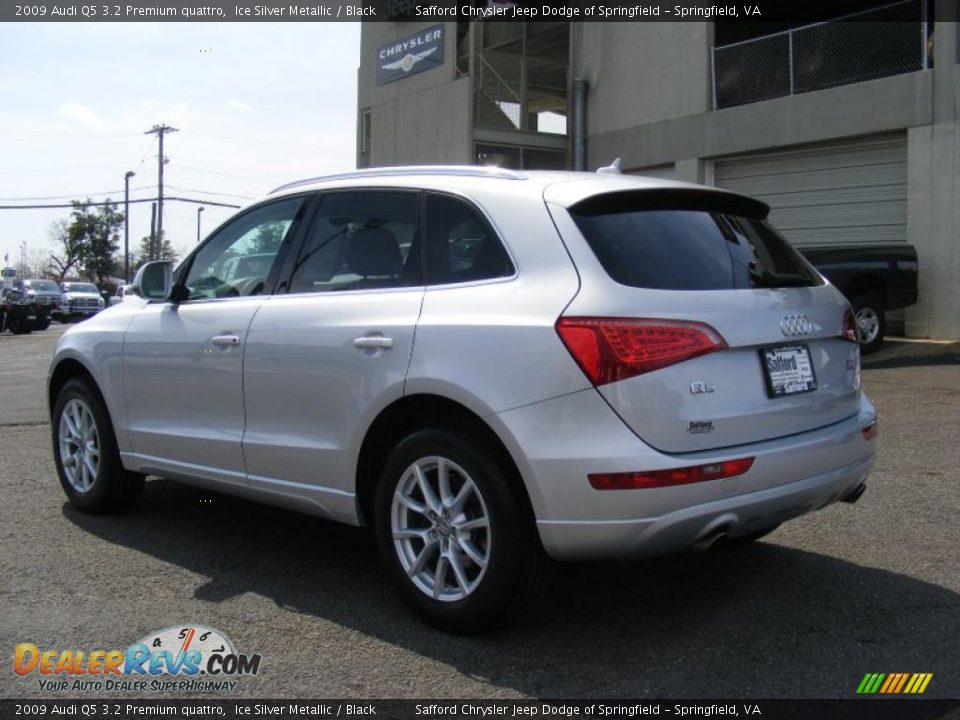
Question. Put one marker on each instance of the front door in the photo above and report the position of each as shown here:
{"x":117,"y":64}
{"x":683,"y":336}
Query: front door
{"x":183,"y":363}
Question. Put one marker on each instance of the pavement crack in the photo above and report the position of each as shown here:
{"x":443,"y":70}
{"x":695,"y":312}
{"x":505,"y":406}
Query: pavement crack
{"x":37,"y":423}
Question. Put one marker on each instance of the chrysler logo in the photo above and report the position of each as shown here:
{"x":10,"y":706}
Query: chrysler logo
{"x":791,"y":325}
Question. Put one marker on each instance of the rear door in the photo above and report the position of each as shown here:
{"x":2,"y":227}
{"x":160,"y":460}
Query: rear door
{"x":324,"y":357}
{"x":723,"y":334}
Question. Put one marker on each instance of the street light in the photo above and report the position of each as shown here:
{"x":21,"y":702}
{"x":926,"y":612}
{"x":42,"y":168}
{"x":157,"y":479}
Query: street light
{"x":23,"y":257}
{"x":126,"y":225}
{"x":199,"y":210}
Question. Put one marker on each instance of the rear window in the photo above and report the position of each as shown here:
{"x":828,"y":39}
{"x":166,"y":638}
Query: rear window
{"x":695,"y":241}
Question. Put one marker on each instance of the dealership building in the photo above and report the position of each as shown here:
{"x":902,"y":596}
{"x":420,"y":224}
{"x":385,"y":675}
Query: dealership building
{"x":849,"y":129}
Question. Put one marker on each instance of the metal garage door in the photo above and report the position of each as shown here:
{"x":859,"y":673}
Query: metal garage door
{"x":832,"y":194}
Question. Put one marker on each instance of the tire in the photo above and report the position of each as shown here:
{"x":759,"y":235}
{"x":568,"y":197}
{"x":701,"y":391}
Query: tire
{"x":101,"y":485}
{"x":43,"y":324}
{"x":871,"y":322}
{"x":19,"y":326}
{"x":503,"y":565}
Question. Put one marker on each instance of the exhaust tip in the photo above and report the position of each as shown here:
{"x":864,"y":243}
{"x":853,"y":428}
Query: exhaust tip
{"x":710,"y":540}
{"x":855,"y":494}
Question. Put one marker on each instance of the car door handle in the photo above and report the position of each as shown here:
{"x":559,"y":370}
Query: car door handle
{"x":225,"y":340}
{"x":373,"y":341}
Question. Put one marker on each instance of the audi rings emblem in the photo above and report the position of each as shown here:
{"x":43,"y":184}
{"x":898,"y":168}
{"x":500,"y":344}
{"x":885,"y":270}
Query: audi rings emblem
{"x":792,"y":325}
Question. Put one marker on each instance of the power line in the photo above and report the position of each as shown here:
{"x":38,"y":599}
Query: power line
{"x":89,"y":194}
{"x":101,"y":204}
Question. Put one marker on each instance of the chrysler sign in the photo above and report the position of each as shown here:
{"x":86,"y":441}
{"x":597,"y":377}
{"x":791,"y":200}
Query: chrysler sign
{"x":410,"y":55}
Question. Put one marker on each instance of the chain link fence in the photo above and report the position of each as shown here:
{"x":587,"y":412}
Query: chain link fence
{"x":890,"y":40}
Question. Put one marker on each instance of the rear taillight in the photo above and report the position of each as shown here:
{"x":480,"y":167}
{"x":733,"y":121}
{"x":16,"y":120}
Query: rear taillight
{"x":668,"y":478}
{"x":849,"y":331}
{"x":870,"y":431}
{"x":612,"y":349}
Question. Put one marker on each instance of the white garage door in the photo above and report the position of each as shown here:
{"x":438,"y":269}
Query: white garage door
{"x":836,"y":194}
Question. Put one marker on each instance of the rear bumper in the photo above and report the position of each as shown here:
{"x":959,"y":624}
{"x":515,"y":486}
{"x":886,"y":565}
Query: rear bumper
{"x":559,"y":442}
{"x":683,"y":528}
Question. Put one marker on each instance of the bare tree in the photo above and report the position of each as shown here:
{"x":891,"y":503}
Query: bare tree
{"x":69,"y":250}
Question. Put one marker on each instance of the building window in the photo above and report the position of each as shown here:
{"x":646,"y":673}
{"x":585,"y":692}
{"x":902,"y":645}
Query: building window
{"x":521,"y":81}
{"x":519,"y":157}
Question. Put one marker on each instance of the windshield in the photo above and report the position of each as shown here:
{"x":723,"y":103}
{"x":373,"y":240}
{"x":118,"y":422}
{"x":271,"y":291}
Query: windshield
{"x":80,"y":288}
{"x":43,"y":285}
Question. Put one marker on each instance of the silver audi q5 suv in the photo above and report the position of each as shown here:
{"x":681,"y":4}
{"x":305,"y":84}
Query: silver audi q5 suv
{"x":490,"y":368}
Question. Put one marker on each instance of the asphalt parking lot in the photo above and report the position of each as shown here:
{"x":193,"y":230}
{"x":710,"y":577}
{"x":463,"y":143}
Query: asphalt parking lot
{"x":872,"y":587}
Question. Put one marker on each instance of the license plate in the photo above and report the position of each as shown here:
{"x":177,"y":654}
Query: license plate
{"x":788,"y":370}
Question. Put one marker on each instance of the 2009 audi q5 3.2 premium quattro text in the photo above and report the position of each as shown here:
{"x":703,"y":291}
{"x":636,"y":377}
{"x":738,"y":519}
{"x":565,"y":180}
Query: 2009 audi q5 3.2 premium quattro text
{"x":488,"y":367}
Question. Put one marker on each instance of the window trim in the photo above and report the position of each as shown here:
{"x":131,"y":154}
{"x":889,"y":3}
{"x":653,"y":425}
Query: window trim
{"x":271,"y":284}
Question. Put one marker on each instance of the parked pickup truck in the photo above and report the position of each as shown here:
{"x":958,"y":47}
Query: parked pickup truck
{"x":874,"y":278}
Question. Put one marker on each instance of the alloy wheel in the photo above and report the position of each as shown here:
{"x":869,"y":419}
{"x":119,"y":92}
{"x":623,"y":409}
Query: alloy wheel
{"x":441,"y":529}
{"x":79,"y":444}
{"x":868,"y":325}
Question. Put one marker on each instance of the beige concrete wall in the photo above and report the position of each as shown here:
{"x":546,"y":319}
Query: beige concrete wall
{"x":425,"y":127}
{"x":642,"y":73}
{"x":933,"y":227}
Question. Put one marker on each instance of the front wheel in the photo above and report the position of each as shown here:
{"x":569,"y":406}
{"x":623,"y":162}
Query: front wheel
{"x":871,"y":322}
{"x":85,"y":452}
{"x":43,"y":323}
{"x":453,"y":532}
{"x":20,"y":326}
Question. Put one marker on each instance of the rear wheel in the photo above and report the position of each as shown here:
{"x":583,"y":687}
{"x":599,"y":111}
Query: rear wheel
{"x":453,"y":532}
{"x":85,"y":453}
{"x":871,"y":321}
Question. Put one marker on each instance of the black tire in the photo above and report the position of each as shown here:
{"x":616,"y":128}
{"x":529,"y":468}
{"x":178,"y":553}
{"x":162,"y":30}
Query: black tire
{"x":870,"y":320}
{"x":19,"y":326}
{"x":112,"y":488}
{"x":43,"y":323}
{"x":516,"y":563}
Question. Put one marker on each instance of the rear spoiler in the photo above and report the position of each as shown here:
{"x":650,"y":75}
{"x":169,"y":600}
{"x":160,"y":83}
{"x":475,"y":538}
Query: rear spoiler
{"x":704,"y":200}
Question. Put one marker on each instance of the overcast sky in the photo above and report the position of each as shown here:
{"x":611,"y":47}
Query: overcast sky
{"x":256,"y":105}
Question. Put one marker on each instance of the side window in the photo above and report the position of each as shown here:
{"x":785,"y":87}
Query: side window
{"x":462,"y":248}
{"x":236,"y":261}
{"x":361,"y":240}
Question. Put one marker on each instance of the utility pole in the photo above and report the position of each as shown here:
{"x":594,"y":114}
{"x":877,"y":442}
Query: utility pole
{"x":153,"y":231}
{"x":126,"y":225}
{"x":159,"y":131}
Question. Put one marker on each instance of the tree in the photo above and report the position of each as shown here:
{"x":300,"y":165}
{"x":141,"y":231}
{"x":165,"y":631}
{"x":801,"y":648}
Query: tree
{"x":167,"y":252}
{"x":89,"y":240}
{"x":69,"y":252}
{"x":98,"y":231}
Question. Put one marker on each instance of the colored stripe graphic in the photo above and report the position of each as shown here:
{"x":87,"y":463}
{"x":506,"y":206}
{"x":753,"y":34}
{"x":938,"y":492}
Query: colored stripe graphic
{"x":894,"y":683}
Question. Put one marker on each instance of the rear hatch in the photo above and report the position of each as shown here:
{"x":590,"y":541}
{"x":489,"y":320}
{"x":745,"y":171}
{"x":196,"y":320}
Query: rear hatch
{"x":700,"y":325}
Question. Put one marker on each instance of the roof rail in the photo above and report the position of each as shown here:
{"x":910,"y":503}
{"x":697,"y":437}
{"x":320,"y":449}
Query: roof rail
{"x":449,"y":170}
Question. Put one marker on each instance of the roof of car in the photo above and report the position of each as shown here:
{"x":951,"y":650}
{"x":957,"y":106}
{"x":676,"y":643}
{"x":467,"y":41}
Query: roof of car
{"x":560,"y":187}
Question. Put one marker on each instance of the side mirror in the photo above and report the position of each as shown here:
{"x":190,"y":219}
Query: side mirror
{"x":154,"y":281}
